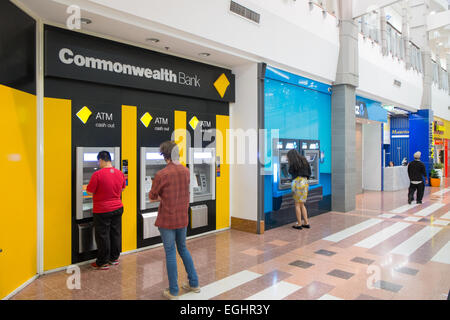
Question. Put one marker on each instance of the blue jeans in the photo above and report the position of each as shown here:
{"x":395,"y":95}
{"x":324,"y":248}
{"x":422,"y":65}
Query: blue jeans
{"x":169,"y":238}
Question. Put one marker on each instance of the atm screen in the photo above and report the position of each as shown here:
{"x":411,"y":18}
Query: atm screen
{"x":313,"y":146}
{"x":290,"y":145}
{"x":284,"y":171}
{"x":280,"y":145}
{"x":198,"y":180}
{"x":284,"y":158}
{"x":304,"y":145}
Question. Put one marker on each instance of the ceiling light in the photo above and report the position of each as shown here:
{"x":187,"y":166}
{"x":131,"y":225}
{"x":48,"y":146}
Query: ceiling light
{"x":85,"y":21}
{"x":153,"y":40}
{"x":440,"y":44}
{"x":204,"y":54}
{"x":432,"y":12}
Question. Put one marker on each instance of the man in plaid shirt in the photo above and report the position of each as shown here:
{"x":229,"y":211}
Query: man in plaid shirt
{"x":171,"y":187}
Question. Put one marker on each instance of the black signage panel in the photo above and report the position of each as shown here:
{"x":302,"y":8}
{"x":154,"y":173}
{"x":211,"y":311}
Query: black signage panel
{"x":155,"y":126}
{"x":96,"y":124}
{"x":202,"y":129}
{"x":81,"y":57}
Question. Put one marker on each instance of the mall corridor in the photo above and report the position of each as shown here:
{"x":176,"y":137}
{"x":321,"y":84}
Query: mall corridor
{"x":385,"y":249}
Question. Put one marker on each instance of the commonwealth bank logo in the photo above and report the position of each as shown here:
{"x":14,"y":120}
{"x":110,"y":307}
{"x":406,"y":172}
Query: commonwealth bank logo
{"x":194,"y":122}
{"x":84,"y":114}
{"x":222,"y":83}
{"x":146,"y":119}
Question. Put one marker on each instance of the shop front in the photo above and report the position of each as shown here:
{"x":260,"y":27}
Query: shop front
{"x":297,"y":115}
{"x":104,"y":95}
{"x":370,"y":121}
{"x":441,"y":137}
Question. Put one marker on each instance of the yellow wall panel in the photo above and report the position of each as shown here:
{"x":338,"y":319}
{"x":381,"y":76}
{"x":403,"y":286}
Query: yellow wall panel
{"x":129,"y":196}
{"x":180,"y":134}
{"x":222,"y":182}
{"x":57,"y":183}
{"x":18,"y":227}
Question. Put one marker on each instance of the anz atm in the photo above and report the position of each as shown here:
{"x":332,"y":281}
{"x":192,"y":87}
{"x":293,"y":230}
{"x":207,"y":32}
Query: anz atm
{"x":282,"y":180}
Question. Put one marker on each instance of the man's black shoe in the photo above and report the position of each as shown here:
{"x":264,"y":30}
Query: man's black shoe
{"x":419,"y":202}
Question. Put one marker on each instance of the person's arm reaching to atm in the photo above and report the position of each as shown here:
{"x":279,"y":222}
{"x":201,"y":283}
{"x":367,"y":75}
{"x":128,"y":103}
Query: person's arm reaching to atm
{"x":154,"y":194}
{"x":92,"y":186}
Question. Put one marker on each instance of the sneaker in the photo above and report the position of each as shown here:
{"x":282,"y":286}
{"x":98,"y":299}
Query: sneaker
{"x":168,"y":295}
{"x":187,"y":287}
{"x":103,"y":267}
{"x":114,"y":262}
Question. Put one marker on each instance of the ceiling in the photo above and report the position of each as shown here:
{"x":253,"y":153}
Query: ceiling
{"x":134,"y":31}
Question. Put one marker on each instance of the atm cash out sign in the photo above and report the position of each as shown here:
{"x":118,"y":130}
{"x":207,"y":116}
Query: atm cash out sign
{"x":68,"y":57}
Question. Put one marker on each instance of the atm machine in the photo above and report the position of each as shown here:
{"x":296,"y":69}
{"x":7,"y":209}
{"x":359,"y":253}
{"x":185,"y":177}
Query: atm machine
{"x":86,"y":165}
{"x":151,"y":162}
{"x":310,"y":149}
{"x":203,"y":183}
{"x":281,"y":165}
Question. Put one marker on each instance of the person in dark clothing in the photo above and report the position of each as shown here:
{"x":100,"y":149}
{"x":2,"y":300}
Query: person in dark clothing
{"x":416,"y":172}
{"x":300,"y":171}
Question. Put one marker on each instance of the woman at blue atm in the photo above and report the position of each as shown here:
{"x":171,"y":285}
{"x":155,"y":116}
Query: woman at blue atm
{"x":300,"y":171}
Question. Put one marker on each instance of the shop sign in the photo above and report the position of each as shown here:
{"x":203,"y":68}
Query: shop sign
{"x":81,"y":57}
{"x":402,"y":133}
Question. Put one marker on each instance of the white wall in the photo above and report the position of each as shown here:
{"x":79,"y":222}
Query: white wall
{"x":377,"y":75}
{"x":440,"y":102}
{"x":372,"y":156}
{"x":243,"y":115}
{"x":289,"y":35}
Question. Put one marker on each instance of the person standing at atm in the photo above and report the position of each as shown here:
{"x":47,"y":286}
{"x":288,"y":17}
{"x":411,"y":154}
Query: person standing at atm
{"x":171,"y":187}
{"x":106,"y":186}
{"x":300,"y":171}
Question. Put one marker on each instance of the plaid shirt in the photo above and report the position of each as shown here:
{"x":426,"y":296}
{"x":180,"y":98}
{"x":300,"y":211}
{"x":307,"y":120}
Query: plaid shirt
{"x":171,"y":184}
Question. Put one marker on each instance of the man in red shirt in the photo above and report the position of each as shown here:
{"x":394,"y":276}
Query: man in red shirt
{"x":106,"y":186}
{"x":171,"y":187}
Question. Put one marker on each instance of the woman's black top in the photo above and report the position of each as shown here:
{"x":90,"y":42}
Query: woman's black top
{"x":304,"y":172}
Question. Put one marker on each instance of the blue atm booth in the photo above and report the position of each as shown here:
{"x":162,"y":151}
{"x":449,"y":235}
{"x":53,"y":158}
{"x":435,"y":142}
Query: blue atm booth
{"x":281,"y":187}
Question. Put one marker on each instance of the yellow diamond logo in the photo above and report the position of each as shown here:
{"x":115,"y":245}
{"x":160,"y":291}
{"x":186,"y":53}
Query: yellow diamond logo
{"x":146,"y":119}
{"x":84,"y":114}
{"x":222,"y":84}
{"x":194,"y":122}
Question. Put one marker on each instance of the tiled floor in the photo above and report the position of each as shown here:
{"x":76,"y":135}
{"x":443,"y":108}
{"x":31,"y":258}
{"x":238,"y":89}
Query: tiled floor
{"x":385,"y":249}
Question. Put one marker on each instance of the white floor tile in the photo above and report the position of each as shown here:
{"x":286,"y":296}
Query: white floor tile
{"x":416,"y":241}
{"x":278,"y":291}
{"x":336,"y":237}
{"x":218,"y":287}
{"x":383,"y":235}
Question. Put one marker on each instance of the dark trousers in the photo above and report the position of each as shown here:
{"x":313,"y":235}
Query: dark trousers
{"x":420,"y":190}
{"x":108,"y":235}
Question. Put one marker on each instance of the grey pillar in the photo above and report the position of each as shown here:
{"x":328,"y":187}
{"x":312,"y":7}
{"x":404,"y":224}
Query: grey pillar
{"x":343,"y":114}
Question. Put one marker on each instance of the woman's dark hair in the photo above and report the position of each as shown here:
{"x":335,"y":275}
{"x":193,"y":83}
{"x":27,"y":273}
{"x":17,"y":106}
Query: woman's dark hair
{"x":104,"y":155}
{"x":169,"y":150}
{"x":296,"y":160}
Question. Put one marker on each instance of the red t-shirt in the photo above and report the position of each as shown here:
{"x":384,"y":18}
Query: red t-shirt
{"x":106,"y":185}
